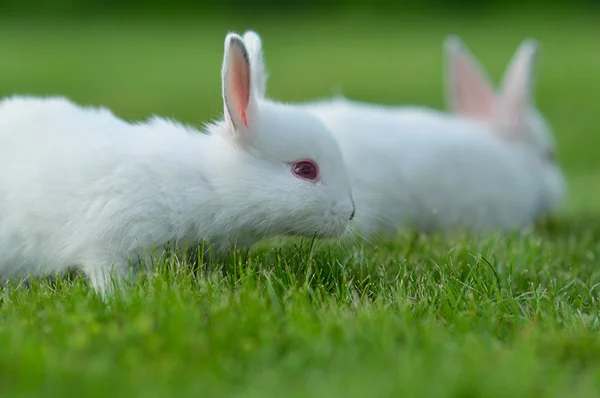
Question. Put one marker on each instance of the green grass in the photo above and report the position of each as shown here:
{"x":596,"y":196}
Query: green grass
{"x":420,"y":316}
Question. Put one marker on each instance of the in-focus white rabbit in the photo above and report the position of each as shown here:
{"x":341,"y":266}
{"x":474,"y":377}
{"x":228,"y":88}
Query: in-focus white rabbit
{"x":80,"y":187}
{"x":489,"y":166}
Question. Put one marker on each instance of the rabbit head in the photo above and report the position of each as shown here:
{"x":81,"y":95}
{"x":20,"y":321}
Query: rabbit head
{"x":288,"y":170}
{"x":510,"y":113}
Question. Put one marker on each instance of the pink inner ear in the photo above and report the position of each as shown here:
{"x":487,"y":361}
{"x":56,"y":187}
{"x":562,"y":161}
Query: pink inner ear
{"x":239,"y":83}
{"x":472,"y":95}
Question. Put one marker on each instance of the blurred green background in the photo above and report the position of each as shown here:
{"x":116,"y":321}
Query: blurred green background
{"x":148,"y":57}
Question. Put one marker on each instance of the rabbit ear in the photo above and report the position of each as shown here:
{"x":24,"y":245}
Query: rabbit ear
{"x":257,"y":62}
{"x":516,"y":95}
{"x":238,"y":97}
{"x":469,"y":91}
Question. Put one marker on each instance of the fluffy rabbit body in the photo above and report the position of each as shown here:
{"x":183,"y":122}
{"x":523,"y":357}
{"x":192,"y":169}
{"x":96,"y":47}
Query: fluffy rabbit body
{"x":82,"y":188}
{"x":488,"y":165}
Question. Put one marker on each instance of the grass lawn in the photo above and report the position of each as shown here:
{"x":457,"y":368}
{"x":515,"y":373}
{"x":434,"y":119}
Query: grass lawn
{"x":420,"y":316}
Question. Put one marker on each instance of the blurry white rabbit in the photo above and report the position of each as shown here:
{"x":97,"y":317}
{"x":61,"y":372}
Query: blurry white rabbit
{"x":488,"y":167}
{"x":80,"y":187}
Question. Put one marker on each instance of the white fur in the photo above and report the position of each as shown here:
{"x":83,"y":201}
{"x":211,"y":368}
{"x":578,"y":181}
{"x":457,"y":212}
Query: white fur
{"x":414,"y":166}
{"x":81,"y":188}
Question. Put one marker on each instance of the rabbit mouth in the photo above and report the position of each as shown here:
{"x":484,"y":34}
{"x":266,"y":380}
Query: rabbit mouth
{"x":334,"y":229}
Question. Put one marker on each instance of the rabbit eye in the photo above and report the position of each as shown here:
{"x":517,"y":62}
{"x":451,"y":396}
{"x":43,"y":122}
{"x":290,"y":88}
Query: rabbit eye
{"x":306,"y":170}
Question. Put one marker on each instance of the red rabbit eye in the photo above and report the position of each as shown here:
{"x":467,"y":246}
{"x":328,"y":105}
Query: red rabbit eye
{"x":305,"y":169}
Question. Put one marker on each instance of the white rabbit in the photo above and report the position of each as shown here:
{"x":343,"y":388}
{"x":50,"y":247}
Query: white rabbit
{"x":80,"y":187}
{"x":491,"y":167}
